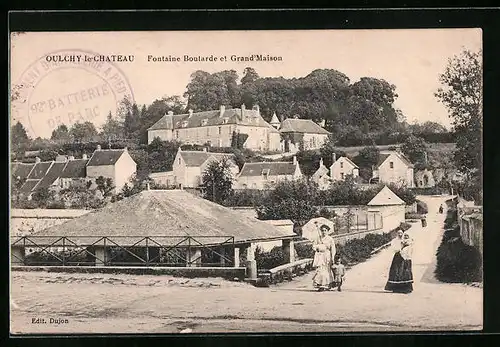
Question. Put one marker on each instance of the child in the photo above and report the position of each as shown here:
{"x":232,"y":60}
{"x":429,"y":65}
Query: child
{"x":338,"y":274}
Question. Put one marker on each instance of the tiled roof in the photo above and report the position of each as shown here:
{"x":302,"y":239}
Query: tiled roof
{"x":301,"y":126}
{"x":105,"y":157}
{"x":75,"y":169}
{"x":197,"y":158}
{"x":275,"y":168}
{"x":322,"y":170}
{"x":40,"y":170}
{"x":210,"y":118}
{"x":163,"y":213}
{"x":21,"y":170}
{"x":382,"y":158}
{"x":28,"y":186}
{"x":54,"y":173}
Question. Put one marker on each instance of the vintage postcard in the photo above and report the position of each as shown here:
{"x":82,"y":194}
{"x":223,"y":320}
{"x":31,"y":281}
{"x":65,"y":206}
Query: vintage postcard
{"x":246,"y":181}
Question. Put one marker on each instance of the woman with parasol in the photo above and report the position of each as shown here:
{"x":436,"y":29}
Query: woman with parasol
{"x":324,"y":247}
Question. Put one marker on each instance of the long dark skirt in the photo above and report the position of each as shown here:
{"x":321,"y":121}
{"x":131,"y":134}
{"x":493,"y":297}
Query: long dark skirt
{"x":400,"y":275}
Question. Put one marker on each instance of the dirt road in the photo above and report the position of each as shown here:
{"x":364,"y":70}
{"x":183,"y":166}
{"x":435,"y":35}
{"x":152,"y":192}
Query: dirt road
{"x":100,"y":303}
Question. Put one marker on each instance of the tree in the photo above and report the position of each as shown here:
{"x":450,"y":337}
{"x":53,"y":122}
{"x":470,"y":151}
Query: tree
{"x":249,"y":75}
{"x":208,"y":91}
{"x":113,"y":128}
{"x":83,"y":132}
{"x":105,"y":185}
{"x":462,"y":95}
{"x":217,"y":181}
{"x":366,"y":159}
{"x":61,"y":134}
{"x":19,"y":137}
{"x":132,"y":122}
{"x":415,"y":149}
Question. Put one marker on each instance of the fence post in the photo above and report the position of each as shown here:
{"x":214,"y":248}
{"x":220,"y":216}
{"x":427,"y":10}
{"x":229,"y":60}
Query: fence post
{"x":104,"y":258}
{"x":63,"y":252}
{"x":147,"y":251}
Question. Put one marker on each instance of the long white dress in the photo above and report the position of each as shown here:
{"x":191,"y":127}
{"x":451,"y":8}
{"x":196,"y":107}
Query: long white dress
{"x":323,"y":260}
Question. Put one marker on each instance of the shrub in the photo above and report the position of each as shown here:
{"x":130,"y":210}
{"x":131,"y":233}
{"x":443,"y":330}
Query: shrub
{"x":410,"y":215}
{"x":422,"y":207}
{"x":304,"y":250}
{"x":358,"y":250}
{"x":268,"y":260}
{"x":458,"y":262}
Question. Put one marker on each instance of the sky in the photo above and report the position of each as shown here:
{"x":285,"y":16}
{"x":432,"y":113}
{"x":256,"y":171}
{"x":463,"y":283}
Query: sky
{"x":411,"y":59}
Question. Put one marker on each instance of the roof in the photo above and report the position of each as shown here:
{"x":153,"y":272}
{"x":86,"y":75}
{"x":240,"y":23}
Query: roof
{"x":386,"y":197}
{"x":105,"y":157}
{"x":163,"y":213}
{"x":301,"y":126}
{"x":40,"y":170}
{"x":322,"y":170}
{"x":383,"y":157}
{"x":28,"y":186}
{"x":197,"y":158}
{"x":46,"y":213}
{"x":211,"y":118}
{"x":347,"y":160}
{"x":274,"y":119}
{"x":22,"y":170}
{"x":53,"y":174}
{"x":75,"y":168}
{"x":275,"y":168}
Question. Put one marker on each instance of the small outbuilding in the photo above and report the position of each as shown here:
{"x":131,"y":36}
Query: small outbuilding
{"x":390,"y":206}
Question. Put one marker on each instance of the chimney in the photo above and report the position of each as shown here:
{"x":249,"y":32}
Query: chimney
{"x":294,"y":160}
{"x":222,"y":109}
{"x":37,"y":160}
{"x":204,"y":149}
{"x":98,"y":148}
{"x":147,"y":186}
{"x":295,"y":116}
{"x":334,"y":158}
{"x":256,"y":108}
{"x":84,"y":156}
{"x":125,"y":149}
{"x":71,"y":157}
{"x":170,"y":113}
{"x":425,"y":157}
{"x":321,"y":162}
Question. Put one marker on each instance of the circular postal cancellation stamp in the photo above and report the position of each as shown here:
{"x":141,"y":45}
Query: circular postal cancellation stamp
{"x":68,"y":87}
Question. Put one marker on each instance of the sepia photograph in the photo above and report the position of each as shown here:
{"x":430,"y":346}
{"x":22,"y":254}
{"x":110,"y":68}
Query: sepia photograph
{"x":253,"y":181}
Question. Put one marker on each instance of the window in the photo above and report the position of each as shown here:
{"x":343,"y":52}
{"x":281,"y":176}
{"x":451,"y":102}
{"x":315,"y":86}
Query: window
{"x":391,"y":165}
{"x":341,"y":165}
{"x":177,"y":134}
{"x":184,"y":124}
{"x":204,"y":122}
{"x":220,"y":130}
{"x":179,"y":161}
{"x":342,"y":175}
{"x":244,"y":186}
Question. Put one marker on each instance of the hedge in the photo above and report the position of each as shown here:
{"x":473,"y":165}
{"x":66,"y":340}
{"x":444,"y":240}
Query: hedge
{"x":456,"y":261}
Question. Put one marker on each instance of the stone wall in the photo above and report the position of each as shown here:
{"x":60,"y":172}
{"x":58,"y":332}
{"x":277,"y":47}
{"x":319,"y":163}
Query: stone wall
{"x":27,"y":221}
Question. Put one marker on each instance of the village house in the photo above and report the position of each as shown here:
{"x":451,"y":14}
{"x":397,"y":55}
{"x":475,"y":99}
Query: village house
{"x":188,"y":166}
{"x":263,"y":175}
{"x":116,"y":164}
{"x":343,"y":167}
{"x":424,"y":179}
{"x":66,"y":171}
{"x":394,"y":167}
{"x":216,"y":128}
{"x":300,"y":134}
{"x":321,"y":177}
{"x":389,"y":206}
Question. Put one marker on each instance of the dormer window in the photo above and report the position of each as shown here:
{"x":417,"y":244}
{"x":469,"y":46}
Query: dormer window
{"x":184,"y":124}
{"x":225,"y":120}
{"x":265,"y":173}
{"x":204,"y":122}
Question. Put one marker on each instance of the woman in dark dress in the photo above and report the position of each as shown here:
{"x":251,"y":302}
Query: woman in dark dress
{"x":400,"y":275}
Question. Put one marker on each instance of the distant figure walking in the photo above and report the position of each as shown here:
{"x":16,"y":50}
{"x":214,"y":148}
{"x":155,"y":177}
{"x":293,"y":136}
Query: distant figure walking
{"x":441,"y":209}
{"x":324,"y":248}
{"x":400,"y":274}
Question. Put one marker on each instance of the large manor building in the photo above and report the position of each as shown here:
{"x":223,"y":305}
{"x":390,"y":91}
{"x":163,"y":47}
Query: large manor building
{"x":216,"y":128}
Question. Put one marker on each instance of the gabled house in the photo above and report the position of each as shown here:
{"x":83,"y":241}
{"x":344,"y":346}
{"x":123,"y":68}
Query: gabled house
{"x":74,"y":173}
{"x":302,"y":133}
{"x":394,"y":167}
{"x":263,"y":175}
{"x":343,"y":167}
{"x":36,"y":174}
{"x":116,"y":164}
{"x":390,"y":206}
{"x":188,"y":166}
{"x":216,"y":128}
{"x":321,"y":177}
